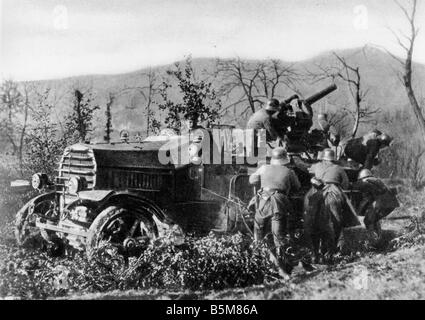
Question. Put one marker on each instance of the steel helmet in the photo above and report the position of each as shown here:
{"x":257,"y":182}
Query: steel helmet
{"x":365,"y":173}
{"x":272,"y":105}
{"x":385,"y":139}
{"x":329,"y":155}
{"x":279,"y":156}
{"x":320,"y":155}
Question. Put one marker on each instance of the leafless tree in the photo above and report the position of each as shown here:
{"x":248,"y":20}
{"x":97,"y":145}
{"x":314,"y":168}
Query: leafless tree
{"x":352,"y":77}
{"x":252,"y":82}
{"x":14,"y":120}
{"x":148,"y":92}
{"x":407,"y":43}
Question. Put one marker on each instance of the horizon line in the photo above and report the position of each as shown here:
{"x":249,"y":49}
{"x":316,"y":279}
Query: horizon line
{"x":159,"y":65}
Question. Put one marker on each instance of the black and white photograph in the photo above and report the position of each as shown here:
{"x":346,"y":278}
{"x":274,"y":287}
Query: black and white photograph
{"x":229,"y":151}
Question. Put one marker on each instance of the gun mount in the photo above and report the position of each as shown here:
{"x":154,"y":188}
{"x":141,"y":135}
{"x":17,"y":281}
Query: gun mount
{"x":297,"y":126}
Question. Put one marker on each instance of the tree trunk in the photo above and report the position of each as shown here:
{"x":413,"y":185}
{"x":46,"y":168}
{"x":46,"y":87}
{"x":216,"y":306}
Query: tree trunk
{"x":409,"y":89}
{"x":416,"y":108}
{"x":24,"y":127}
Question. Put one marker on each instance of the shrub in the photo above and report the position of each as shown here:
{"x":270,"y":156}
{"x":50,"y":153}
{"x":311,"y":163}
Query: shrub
{"x":213,"y":262}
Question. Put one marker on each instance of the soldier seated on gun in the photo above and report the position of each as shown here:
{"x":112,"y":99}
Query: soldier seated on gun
{"x":331,"y":137}
{"x":334,"y":180}
{"x":365,"y":150}
{"x":263,"y":119}
{"x":377,"y":200}
{"x":274,"y":214}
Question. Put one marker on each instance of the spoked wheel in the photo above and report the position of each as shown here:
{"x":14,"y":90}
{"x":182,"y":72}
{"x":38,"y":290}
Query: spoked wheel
{"x":126,"y":232}
{"x":26,"y":232}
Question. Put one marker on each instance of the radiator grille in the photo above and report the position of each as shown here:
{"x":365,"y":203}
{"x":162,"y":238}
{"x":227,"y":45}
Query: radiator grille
{"x":78,"y":161}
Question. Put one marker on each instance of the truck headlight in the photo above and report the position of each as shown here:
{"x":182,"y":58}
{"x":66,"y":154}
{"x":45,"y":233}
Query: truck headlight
{"x":75,"y":185}
{"x":39,"y":181}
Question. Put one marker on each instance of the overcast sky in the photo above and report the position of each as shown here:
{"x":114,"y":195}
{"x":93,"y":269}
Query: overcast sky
{"x":43,"y":39}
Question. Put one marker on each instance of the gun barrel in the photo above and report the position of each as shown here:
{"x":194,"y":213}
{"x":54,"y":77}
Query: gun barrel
{"x":295,"y":96}
{"x":316,"y":97}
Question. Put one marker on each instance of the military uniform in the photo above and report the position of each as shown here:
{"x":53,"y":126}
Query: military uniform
{"x":377,"y":200}
{"x":331,"y":136}
{"x":275,"y":214}
{"x":263,"y":120}
{"x":365,"y":150}
{"x":274,"y":209}
{"x":335,"y":216}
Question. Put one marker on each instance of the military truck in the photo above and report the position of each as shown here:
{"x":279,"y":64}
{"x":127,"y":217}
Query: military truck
{"x":123,"y":193}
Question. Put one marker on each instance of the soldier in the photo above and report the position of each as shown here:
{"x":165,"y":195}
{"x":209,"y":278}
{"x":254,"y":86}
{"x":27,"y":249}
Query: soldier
{"x":263,"y":119}
{"x":334,"y":180}
{"x":377,"y":200}
{"x":318,"y":228}
{"x":274,"y":211}
{"x":192,"y":128}
{"x":331,"y":137}
{"x":365,"y":150}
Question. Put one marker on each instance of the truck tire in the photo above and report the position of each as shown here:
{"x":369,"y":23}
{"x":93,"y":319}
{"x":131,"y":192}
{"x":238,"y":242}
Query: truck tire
{"x":21,"y":229}
{"x":122,"y":229}
{"x":26,"y":233}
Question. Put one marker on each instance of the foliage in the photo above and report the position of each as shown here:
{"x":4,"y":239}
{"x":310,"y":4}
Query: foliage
{"x":197,"y":96}
{"x":44,"y":142}
{"x":79,"y":122}
{"x":206,"y":263}
{"x":405,"y":157}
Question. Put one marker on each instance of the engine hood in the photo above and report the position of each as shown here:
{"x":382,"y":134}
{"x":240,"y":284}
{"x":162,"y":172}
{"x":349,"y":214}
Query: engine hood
{"x":143,"y":154}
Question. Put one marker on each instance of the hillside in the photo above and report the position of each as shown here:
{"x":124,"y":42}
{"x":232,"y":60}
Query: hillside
{"x":376,"y":67}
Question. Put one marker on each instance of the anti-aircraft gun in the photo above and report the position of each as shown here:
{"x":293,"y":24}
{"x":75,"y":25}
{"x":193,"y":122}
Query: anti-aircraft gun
{"x":297,"y":124}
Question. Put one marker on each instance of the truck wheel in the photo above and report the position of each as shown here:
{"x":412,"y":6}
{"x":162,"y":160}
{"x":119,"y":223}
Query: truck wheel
{"x":22,"y":226}
{"x":127,"y":231}
{"x":26,"y":232}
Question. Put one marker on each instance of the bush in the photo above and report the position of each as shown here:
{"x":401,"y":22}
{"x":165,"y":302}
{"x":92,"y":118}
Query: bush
{"x":207,"y":263}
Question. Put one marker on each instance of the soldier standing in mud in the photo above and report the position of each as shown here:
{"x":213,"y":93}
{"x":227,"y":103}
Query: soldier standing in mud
{"x":274,"y":212}
{"x":318,"y":229}
{"x":377,"y":200}
{"x":332,"y":179}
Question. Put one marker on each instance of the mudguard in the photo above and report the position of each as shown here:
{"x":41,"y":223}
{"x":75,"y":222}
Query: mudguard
{"x":98,"y":200}
{"x":38,"y":199}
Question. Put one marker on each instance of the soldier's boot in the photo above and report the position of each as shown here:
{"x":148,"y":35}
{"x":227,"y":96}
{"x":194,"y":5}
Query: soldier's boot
{"x":284,"y":263}
{"x":378,"y":228}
